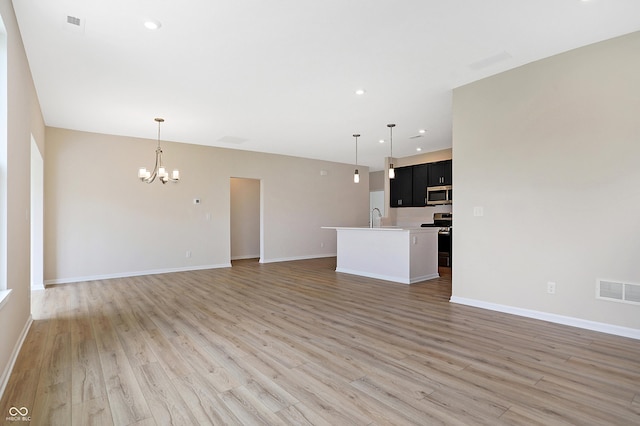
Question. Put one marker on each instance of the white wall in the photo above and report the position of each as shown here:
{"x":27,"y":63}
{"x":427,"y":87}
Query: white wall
{"x":23,"y":120}
{"x":245,"y":218}
{"x":37,"y":217}
{"x":550,"y":151}
{"x":101,"y":221}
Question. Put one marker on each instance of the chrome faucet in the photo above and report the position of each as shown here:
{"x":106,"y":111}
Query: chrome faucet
{"x":379,"y":216}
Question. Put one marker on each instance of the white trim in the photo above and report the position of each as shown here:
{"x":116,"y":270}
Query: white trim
{"x":401,"y":280}
{"x":617,"y":330}
{"x":424,"y":278}
{"x":246,"y":256}
{"x":134,"y":274}
{"x":4,"y":296}
{"x":4,"y":379}
{"x":288,"y":259}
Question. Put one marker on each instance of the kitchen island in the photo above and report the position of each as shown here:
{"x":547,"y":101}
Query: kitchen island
{"x":403,"y":255}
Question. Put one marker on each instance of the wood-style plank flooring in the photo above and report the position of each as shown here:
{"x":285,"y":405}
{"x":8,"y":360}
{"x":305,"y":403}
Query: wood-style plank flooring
{"x":297,"y":343}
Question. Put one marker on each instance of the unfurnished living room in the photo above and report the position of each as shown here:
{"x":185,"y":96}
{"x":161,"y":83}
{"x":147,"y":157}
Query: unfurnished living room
{"x":243,"y":213}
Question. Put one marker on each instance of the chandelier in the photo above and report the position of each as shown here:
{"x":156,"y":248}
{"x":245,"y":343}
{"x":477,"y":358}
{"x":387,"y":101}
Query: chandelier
{"x":159,"y":170}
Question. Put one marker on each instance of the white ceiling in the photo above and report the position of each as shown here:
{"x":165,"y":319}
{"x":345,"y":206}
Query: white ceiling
{"x":280,"y":76}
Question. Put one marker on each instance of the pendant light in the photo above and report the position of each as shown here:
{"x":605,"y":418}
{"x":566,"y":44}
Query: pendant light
{"x":159,"y":170}
{"x":392,"y":172}
{"x":356,"y":175}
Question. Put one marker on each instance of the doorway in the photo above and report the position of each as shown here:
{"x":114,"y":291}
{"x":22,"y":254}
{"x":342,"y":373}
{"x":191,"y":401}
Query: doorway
{"x":245,"y":226}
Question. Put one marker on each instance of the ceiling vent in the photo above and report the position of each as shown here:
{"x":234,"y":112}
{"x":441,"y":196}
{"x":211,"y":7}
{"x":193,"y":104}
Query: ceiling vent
{"x":73,"y":21}
{"x":490,"y":61}
{"x":618,"y":292}
{"x":74,"y":24}
{"x":232,"y":139}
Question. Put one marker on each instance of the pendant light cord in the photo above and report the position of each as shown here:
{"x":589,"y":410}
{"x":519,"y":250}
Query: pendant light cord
{"x":356,"y":136}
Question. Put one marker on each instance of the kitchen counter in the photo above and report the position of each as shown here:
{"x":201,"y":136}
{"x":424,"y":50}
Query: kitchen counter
{"x":403,"y":255}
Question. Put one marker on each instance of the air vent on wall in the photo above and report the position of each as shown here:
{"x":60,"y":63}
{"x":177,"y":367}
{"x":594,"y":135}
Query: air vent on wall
{"x":618,"y":291}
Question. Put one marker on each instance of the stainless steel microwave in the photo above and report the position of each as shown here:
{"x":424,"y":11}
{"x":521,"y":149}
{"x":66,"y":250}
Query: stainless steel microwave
{"x":439,"y":195}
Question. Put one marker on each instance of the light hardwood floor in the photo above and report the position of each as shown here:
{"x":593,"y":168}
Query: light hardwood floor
{"x":297,"y":343}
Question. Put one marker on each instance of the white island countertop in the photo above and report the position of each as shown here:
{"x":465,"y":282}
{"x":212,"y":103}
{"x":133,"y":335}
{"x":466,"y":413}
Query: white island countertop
{"x":401,"y":254}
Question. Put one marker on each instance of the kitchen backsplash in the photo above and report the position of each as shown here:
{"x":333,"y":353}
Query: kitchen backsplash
{"x":414,"y":217}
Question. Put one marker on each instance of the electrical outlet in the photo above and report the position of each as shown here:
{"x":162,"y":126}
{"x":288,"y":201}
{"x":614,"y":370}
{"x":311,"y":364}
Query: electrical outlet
{"x":321,"y":245}
{"x":551,"y":287}
{"x":188,"y":254}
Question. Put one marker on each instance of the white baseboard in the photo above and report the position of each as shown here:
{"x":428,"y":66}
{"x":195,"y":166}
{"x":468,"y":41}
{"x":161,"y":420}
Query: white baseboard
{"x":424,"y":278}
{"x":170,"y":270}
{"x":288,"y":259}
{"x":401,"y":280}
{"x":134,"y":274}
{"x":246,"y":256}
{"x":4,"y":378}
{"x":545,"y":316}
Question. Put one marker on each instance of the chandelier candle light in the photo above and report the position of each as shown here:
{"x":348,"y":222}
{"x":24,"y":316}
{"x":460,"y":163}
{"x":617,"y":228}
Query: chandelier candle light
{"x":392,"y":172}
{"x":356,"y":176}
{"x":159,"y":170}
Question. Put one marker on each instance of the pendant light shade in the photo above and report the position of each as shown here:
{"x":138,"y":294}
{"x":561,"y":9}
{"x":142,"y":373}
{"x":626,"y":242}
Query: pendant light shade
{"x":356,"y":175}
{"x":392,"y":172}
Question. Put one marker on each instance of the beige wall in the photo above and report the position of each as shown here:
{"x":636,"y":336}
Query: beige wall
{"x":102,"y":222}
{"x":550,"y":151}
{"x":376,"y":180}
{"x":23,"y":120}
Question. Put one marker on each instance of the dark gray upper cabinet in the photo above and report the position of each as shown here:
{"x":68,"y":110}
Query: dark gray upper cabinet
{"x":409,"y":187}
{"x":440,"y":173}
{"x":420,"y":180}
{"x":401,"y":187}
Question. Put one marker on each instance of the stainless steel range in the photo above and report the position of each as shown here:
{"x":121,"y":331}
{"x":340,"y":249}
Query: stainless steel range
{"x":444,"y":221}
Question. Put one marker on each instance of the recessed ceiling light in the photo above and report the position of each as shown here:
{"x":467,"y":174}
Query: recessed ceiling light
{"x":152,"y":24}
{"x":360,"y":92}
{"x":418,"y":149}
{"x":381,"y":141}
{"x":421,"y":131}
